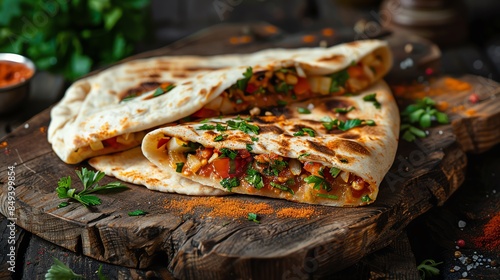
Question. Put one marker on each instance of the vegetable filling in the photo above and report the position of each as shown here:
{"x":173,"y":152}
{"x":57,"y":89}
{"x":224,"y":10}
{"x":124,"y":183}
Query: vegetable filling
{"x":266,"y":173}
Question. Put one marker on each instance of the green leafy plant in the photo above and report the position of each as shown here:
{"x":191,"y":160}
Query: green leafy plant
{"x":253,"y":217}
{"x":72,"y":36}
{"x":427,"y":268}
{"x":90,"y":181}
{"x":418,"y":116}
{"x":60,"y":271}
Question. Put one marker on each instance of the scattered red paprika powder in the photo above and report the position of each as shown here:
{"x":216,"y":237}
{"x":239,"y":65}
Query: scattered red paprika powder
{"x":491,"y":234}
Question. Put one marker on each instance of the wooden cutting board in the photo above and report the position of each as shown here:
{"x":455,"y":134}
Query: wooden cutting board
{"x":201,"y":243}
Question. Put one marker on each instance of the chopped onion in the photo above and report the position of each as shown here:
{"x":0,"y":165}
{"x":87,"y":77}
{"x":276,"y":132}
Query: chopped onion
{"x":193,"y":163}
{"x":368,"y":72}
{"x":300,"y":71}
{"x":320,"y":84}
{"x":295,"y":167}
{"x":213,"y":157}
{"x":125,"y":139}
{"x":177,"y":145}
{"x":97,"y":145}
{"x":176,"y":157}
{"x":344,"y":175}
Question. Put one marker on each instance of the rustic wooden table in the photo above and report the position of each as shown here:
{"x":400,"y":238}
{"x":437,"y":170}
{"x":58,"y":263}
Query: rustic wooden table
{"x":396,"y":261}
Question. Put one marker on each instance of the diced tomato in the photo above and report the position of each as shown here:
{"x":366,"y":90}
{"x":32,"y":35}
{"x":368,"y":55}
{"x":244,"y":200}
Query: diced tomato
{"x":302,"y":86}
{"x":244,"y":153}
{"x":355,"y":71}
{"x":313,"y":167}
{"x":162,"y":142}
{"x":111,"y":142}
{"x":251,"y":88}
{"x":205,"y":113}
{"x":221,"y":166}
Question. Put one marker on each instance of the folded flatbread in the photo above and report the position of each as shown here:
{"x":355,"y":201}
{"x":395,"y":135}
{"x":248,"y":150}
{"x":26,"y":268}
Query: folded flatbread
{"x":104,"y":114}
{"x":133,"y":167}
{"x":330,"y":151}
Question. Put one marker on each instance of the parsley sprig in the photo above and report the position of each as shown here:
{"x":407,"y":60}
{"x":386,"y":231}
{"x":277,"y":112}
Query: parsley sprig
{"x":282,"y":187}
{"x":90,"y":181}
{"x":242,"y":83}
{"x":330,"y":123}
{"x":318,"y":181}
{"x":418,"y":116}
{"x":254,"y":178}
{"x":59,"y":271}
{"x":253,"y":217}
{"x":304,"y":130}
{"x":427,"y":268}
{"x":338,"y":80}
{"x":236,"y":124}
{"x":230,"y":183}
{"x":373,"y":98}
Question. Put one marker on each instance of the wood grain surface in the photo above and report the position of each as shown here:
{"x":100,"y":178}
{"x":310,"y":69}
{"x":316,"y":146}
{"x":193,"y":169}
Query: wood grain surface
{"x":194,"y":244}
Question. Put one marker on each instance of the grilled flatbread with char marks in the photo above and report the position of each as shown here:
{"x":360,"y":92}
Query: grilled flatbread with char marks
{"x":329,"y":151}
{"x":133,"y":167}
{"x":104,"y":114}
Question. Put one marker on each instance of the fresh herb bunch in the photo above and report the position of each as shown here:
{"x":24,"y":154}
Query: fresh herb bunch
{"x":70,"y":37}
{"x":90,"y":181}
{"x":418,"y":116}
{"x":60,"y":271}
{"x":428,"y":268}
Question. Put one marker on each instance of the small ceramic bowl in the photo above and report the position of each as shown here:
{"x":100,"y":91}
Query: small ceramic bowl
{"x":13,"y":95}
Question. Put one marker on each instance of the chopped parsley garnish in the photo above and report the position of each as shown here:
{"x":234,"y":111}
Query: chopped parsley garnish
{"x":220,"y":127}
{"x":344,"y":110}
{"x":206,"y":127}
{"x":137,"y":213}
{"x":372,"y":98}
{"x":225,"y":152}
{"x":239,"y":101}
{"x":249,"y":147}
{"x":192,"y":146}
{"x":303,"y":132}
{"x":281,"y":187}
{"x":243,"y":126}
{"x":253,"y":217}
{"x":179,"y":167}
{"x":343,"y":160}
{"x":219,"y":137}
{"x":205,"y":121}
{"x":283,"y":87}
{"x":255,"y":139}
{"x":365,"y":198}
{"x":302,"y":110}
{"x":329,"y":196}
{"x":242,"y":83}
{"x":338,"y":80}
{"x":254,"y":178}
{"x":90,"y":180}
{"x":129,"y":97}
{"x":304,"y":155}
{"x":281,"y":103}
{"x":162,"y":90}
{"x":275,"y":167}
{"x":230,"y":183}
{"x":319,"y":182}
{"x":334,"y":172}
{"x":330,"y":124}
